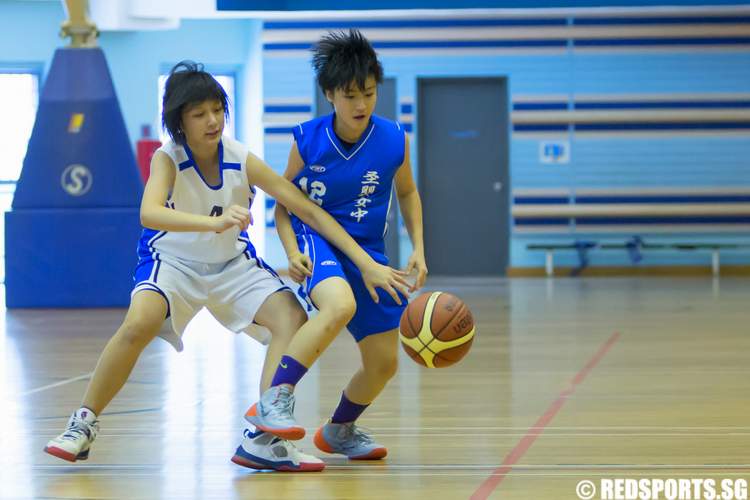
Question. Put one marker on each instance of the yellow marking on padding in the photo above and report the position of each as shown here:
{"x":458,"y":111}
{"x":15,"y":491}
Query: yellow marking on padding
{"x":76,"y":122}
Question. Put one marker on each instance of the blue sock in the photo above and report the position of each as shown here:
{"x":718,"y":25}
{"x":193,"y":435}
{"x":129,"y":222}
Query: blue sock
{"x":290,"y":371}
{"x":347,"y":411}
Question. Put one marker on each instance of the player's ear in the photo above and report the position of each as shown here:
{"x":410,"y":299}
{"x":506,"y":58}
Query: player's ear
{"x":329,"y":96}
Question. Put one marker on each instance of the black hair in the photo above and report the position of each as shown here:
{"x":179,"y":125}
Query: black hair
{"x":188,"y":84}
{"x":341,"y":58}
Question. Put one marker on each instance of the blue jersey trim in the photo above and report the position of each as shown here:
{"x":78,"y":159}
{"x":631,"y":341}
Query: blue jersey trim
{"x":222,"y":166}
{"x":330,"y":120}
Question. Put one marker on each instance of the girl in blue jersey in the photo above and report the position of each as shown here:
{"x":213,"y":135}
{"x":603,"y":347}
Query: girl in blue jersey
{"x":194,"y":252}
{"x":346,"y":162}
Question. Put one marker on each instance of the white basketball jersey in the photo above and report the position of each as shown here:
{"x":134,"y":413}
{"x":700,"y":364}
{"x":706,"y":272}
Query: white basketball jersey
{"x":192,"y":194}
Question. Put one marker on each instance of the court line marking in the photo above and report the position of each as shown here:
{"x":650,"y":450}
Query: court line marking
{"x":124,"y":432}
{"x":379,"y":474}
{"x":485,"y":489}
{"x":75,"y":379}
{"x":387,"y":467}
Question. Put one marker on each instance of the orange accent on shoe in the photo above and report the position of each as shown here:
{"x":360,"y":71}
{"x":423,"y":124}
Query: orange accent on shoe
{"x":252,"y":411}
{"x":60,"y":453}
{"x":303,"y":467}
{"x":290,"y":433}
{"x":321,"y":443}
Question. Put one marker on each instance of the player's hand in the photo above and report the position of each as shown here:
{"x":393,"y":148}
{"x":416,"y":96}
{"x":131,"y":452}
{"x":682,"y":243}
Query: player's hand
{"x":300,"y":266}
{"x":379,"y":276}
{"x":417,"y":264}
{"x":235,"y":215}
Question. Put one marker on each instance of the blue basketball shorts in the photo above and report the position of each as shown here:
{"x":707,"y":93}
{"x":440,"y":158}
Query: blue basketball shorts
{"x":327,"y":262}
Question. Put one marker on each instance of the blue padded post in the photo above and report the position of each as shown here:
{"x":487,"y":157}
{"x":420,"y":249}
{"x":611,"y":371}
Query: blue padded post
{"x":72,"y":232}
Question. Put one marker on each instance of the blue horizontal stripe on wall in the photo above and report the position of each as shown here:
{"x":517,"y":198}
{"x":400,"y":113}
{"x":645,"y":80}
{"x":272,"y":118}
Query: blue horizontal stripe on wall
{"x":598,"y":21}
{"x":552,"y":127}
{"x":540,"y":200}
{"x":407,"y":127}
{"x":659,"y":126}
{"x":553,"y":221}
{"x":638,"y":42}
{"x":434,"y":44}
{"x":663,"y":199}
{"x":407,"y":108}
{"x":661,"y":105}
{"x":539,"y":106}
{"x":709,"y":219}
{"x":395,"y":24}
{"x":287,"y":108}
{"x":305,"y":5}
{"x":278,"y":130}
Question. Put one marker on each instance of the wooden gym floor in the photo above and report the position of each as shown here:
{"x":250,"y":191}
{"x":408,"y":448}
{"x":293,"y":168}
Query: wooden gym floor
{"x":568,"y":380}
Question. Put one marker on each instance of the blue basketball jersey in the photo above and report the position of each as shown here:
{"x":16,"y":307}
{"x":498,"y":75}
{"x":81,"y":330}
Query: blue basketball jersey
{"x":352,"y":184}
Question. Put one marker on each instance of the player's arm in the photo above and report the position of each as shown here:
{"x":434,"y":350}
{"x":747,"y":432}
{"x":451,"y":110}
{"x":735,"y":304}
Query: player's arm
{"x":299,"y":263}
{"x":411,"y":210}
{"x":373,"y":274}
{"x":155,"y":214}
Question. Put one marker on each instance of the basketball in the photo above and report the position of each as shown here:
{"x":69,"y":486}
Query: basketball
{"x":436,"y":329}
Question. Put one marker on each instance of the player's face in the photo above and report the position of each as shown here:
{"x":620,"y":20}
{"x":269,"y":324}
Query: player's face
{"x":354,"y":105}
{"x":203,"y":123}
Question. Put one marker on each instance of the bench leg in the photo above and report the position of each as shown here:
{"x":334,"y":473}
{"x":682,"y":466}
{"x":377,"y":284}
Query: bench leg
{"x":715,"y":262}
{"x":549,"y":266}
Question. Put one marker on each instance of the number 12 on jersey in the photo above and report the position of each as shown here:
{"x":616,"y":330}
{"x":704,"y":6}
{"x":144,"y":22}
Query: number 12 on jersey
{"x":316,"y":192}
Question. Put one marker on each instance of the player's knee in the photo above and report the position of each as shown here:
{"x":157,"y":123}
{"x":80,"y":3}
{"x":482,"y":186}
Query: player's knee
{"x":342,"y":311}
{"x":384,"y":368}
{"x":297,"y":317}
{"x":137,"y":332}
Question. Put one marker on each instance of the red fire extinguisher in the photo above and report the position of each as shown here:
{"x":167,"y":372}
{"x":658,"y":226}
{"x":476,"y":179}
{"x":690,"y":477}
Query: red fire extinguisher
{"x":145,"y":149}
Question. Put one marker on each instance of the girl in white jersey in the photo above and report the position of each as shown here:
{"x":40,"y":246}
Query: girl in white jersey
{"x":194,"y":252}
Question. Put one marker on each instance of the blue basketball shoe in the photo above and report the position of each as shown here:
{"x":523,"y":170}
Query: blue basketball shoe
{"x":350,"y":440}
{"x":274,"y":413}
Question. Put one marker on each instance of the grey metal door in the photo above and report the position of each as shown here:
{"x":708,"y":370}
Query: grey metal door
{"x":385,"y":107}
{"x":463,"y":174}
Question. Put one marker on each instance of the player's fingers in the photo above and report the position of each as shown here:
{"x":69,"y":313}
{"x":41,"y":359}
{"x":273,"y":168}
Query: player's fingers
{"x":421,"y":278}
{"x":400,"y":272}
{"x":301,"y":269}
{"x":392,"y":292}
{"x":404,"y":289}
{"x":373,"y":293}
{"x":400,"y":279}
{"x":410,"y":266}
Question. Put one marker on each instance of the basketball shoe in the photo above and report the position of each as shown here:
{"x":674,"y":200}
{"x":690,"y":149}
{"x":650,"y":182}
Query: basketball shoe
{"x":263,"y":450}
{"x":350,"y":440}
{"x":74,"y":443}
{"x":274,"y":413}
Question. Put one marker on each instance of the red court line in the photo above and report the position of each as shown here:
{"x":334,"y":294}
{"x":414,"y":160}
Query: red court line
{"x":534,"y":432}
